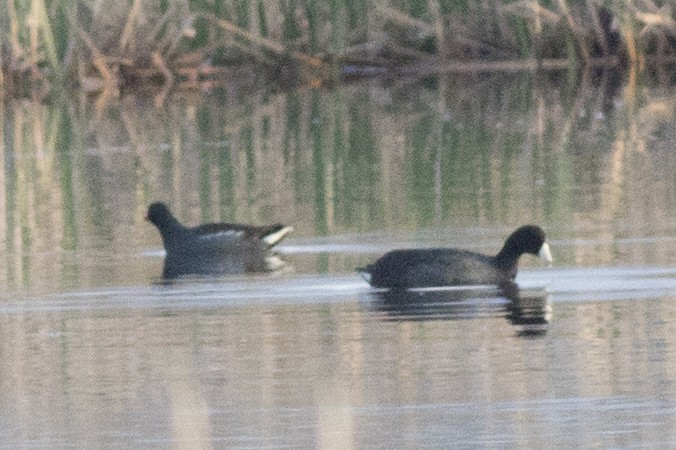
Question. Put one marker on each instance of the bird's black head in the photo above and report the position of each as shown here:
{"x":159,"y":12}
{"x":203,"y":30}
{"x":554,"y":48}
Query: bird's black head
{"x":159,"y":215}
{"x":527,"y":239}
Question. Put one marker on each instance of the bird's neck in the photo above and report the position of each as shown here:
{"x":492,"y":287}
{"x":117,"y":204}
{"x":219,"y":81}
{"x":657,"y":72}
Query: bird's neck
{"x":508,"y":259}
{"x":170,"y":229}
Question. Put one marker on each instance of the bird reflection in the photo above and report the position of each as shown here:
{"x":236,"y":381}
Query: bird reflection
{"x":528,"y":309}
{"x":236,"y":263}
{"x":531,"y":310}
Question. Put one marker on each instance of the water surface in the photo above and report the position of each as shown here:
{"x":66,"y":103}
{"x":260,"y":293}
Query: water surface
{"x":97,"y":352}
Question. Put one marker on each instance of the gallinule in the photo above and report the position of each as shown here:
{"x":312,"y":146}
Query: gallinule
{"x":401,"y":269}
{"x":215,"y":248}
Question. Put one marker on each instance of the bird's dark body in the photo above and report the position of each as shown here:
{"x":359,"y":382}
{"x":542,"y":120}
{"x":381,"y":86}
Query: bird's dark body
{"x":436,"y":267}
{"x":432,"y":267}
{"x":201,"y":254}
{"x":215,"y":248}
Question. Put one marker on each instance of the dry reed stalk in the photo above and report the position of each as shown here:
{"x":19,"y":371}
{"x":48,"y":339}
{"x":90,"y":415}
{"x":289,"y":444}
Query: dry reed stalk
{"x":99,"y":60}
{"x":254,"y":24}
{"x":439,"y":29}
{"x":658,"y":23}
{"x":596,"y":23}
{"x":400,"y":18}
{"x":132,"y":19}
{"x":463,"y":36}
{"x":656,"y":20}
{"x":256,"y":52}
{"x":16,"y":49}
{"x":538,"y":16}
{"x":508,"y":31}
{"x":161,"y":65}
{"x":268,"y":44}
{"x":537,"y":37}
{"x":576,"y":30}
{"x":2,"y":73}
{"x":530,"y":64}
{"x":627,"y":25}
{"x":167,"y":44}
{"x":32,"y":24}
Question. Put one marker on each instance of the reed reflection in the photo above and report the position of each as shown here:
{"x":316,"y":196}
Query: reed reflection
{"x":386,"y":157}
{"x":528,"y":309}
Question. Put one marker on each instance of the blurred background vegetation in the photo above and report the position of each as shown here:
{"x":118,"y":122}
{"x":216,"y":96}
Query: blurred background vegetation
{"x":100,"y":45}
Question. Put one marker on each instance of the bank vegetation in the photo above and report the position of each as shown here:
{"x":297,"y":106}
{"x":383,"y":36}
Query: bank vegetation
{"x":99,"y":45}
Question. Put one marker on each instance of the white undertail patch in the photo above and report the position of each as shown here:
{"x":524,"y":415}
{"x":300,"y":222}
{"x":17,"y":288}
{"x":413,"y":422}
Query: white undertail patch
{"x":546,"y":254}
{"x":273,"y":238}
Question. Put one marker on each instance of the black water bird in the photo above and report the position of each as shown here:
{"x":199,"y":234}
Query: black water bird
{"x":215,"y":248}
{"x":415,"y":268}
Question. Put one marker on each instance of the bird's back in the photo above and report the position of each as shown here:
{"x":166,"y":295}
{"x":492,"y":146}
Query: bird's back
{"x":269,"y":235}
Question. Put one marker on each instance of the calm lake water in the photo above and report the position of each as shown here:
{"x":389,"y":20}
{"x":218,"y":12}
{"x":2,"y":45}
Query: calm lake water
{"x":97,"y":352}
